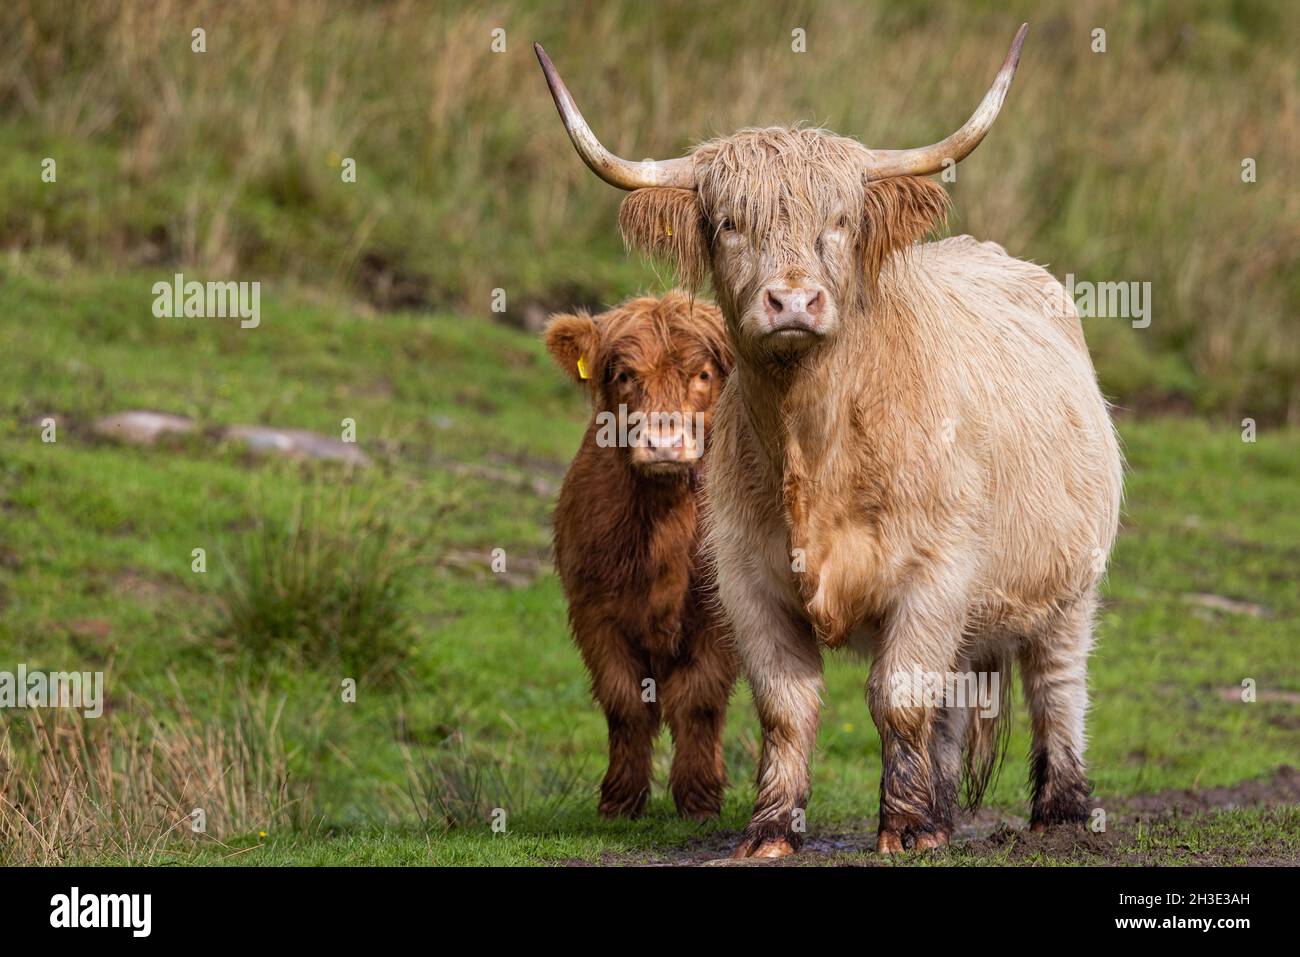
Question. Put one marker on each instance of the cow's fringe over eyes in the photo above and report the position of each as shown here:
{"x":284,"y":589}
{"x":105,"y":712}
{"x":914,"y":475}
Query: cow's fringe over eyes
{"x":781,"y":187}
{"x":778,"y":176}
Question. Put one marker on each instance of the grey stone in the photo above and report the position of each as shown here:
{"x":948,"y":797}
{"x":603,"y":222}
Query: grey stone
{"x":296,"y":443}
{"x":142,"y":428}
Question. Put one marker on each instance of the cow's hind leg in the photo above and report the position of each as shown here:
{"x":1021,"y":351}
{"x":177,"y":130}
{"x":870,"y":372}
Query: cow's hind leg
{"x":947,"y":747}
{"x":1054,"y":669}
{"x":694,"y":700}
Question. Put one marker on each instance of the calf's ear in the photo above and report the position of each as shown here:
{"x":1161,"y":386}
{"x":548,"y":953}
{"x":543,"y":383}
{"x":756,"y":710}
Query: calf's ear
{"x":666,"y":222}
{"x":896,"y":213}
{"x":571,"y":339}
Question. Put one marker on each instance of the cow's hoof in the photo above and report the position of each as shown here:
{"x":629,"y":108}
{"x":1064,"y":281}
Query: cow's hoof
{"x":895,"y":842}
{"x":929,"y":840}
{"x":771,"y":848}
{"x":1039,"y":827}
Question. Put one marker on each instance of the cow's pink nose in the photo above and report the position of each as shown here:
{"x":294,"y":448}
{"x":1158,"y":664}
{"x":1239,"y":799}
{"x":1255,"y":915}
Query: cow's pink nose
{"x":666,"y":440}
{"x":783,"y":302}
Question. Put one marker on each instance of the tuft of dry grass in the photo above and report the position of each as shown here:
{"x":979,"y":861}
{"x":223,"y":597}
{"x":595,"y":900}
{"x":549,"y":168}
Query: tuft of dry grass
{"x":74,"y":789}
{"x":1115,"y":166}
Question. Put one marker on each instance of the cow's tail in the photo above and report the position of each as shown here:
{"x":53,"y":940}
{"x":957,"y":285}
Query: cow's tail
{"x":987,"y":734}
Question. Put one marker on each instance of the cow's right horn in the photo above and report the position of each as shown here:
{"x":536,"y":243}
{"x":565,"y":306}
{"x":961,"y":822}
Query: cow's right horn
{"x":625,"y":174}
{"x":925,"y":160}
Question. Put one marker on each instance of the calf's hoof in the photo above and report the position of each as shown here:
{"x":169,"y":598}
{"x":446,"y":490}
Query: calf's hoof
{"x":772,"y":847}
{"x":621,"y":805}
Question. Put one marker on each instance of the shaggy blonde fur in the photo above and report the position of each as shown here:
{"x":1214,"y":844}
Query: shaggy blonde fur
{"x":932,"y":480}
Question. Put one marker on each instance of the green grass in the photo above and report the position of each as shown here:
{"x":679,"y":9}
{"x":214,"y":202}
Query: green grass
{"x":470,"y":428}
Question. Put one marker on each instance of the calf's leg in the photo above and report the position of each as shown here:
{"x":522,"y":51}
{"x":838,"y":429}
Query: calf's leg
{"x":617,"y":673}
{"x":694,"y":696}
{"x":1054,"y":669}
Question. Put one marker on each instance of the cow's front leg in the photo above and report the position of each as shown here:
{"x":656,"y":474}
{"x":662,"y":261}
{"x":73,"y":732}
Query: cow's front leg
{"x":905,"y":694}
{"x":784,"y":667}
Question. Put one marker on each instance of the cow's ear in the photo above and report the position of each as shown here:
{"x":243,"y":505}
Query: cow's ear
{"x":571,"y":340}
{"x":660,"y":221}
{"x":896,"y":213}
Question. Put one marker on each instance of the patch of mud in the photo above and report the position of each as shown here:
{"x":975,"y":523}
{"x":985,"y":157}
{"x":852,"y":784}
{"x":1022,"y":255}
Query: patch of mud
{"x":1143,"y":829}
{"x":1279,"y":789}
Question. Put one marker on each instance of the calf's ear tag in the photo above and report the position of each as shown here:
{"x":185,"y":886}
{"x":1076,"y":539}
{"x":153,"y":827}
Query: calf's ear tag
{"x":583,"y":371}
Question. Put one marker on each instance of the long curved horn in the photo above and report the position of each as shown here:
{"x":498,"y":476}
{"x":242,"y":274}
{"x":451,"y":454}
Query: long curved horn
{"x":625,"y":174}
{"x":930,"y":159}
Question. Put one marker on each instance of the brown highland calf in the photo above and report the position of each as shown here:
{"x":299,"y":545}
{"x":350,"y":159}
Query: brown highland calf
{"x":627,"y":542}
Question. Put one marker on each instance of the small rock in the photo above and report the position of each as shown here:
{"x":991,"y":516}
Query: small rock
{"x":1230,"y":605}
{"x":1232,"y":694}
{"x":296,"y":443}
{"x":142,"y":428}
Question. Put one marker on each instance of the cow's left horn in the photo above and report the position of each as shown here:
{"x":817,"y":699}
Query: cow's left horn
{"x":625,"y":174}
{"x":931,"y":159}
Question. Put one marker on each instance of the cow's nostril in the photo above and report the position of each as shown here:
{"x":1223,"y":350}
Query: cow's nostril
{"x":814,"y":305}
{"x":774,"y":305}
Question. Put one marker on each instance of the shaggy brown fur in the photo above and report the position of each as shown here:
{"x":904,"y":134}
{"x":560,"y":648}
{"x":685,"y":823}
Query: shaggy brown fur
{"x":627,"y":550}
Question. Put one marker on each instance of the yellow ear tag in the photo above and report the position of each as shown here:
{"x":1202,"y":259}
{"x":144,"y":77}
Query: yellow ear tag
{"x":668,"y":229}
{"x":583,"y":373}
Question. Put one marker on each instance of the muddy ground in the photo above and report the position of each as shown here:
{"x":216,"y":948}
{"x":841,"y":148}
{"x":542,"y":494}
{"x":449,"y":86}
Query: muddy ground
{"x":1169,"y":827}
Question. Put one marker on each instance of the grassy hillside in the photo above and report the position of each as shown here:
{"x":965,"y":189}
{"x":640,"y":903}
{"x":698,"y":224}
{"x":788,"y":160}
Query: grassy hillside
{"x":1117,"y":166}
{"x":471,"y":697}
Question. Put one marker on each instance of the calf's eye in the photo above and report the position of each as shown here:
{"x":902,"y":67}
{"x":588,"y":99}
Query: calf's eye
{"x":704,"y":376}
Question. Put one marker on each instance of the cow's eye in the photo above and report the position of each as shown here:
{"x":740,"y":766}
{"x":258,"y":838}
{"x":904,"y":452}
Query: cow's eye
{"x":704,"y":376}
{"x":622,"y":378}
{"x":842,"y":222}
{"x":725,"y":225}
